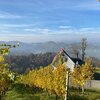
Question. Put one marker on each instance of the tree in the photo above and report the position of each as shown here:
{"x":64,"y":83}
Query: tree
{"x":30,"y":62}
{"x":83,"y":47}
{"x":5,"y":73}
{"x":83,"y":73}
{"x":4,"y":79}
{"x":76,"y":48}
{"x":53,"y":81}
{"x":59,"y":81}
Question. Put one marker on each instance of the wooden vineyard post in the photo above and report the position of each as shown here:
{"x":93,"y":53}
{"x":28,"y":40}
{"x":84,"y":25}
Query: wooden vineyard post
{"x":67,"y":85}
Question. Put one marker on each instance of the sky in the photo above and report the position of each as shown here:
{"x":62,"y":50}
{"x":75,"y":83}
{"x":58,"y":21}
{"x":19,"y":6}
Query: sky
{"x":49,"y":20}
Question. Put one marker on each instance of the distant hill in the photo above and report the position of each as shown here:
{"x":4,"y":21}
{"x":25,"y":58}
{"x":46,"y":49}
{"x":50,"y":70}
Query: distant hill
{"x":27,"y":48}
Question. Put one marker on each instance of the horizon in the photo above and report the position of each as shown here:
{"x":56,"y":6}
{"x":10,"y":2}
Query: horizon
{"x":65,"y":42}
{"x":41,"y":21}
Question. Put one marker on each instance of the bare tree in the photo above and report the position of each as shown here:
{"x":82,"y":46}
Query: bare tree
{"x":83,"y":47}
{"x":79,"y":48}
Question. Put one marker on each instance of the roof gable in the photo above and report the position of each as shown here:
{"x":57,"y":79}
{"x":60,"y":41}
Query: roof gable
{"x":75,"y":60}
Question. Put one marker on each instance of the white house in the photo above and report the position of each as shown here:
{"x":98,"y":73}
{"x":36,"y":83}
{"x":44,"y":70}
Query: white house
{"x":72,"y":62}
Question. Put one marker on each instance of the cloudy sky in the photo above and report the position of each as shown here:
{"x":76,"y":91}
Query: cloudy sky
{"x":49,"y":20}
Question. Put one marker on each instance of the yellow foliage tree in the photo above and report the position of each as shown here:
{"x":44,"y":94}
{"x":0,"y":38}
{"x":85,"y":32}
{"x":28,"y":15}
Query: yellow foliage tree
{"x":53,"y":81}
{"x":83,"y":73}
{"x":5,"y":73}
{"x":4,"y":78}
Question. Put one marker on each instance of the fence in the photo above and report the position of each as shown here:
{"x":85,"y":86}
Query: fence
{"x":91,"y":84}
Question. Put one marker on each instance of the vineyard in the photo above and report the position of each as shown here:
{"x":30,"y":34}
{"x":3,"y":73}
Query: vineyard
{"x":45,"y":83}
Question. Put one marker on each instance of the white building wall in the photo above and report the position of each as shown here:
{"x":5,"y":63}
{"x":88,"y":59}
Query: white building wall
{"x":70,"y":64}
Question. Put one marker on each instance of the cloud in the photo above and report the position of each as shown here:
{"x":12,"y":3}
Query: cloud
{"x":88,"y":5}
{"x":5,"y":15}
{"x":61,"y":30}
{"x":38,"y":30}
{"x":65,"y":27}
{"x":61,"y":33}
{"x":16,"y":25}
{"x":14,"y":28}
{"x":48,"y":37}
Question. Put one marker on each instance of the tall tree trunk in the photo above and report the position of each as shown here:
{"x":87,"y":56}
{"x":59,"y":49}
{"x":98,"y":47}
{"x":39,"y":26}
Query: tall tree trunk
{"x":83,"y":55}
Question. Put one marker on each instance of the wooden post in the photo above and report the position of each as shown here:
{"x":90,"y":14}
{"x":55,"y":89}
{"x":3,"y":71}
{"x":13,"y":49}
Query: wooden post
{"x":67,"y":85}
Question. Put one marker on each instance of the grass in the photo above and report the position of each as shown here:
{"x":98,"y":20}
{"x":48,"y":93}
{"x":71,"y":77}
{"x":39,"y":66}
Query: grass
{"x":89,"y":94}
{"x":20,"y":92}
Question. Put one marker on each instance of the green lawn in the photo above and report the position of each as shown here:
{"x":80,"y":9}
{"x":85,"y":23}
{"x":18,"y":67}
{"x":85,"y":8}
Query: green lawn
{"x":89,"y":94}
{"x":20,"y":92}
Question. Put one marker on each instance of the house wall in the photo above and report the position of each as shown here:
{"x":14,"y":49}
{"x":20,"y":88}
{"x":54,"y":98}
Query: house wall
{"x":70,"y":64}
